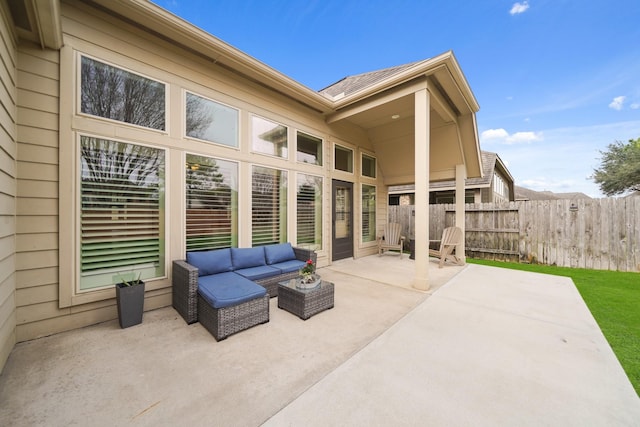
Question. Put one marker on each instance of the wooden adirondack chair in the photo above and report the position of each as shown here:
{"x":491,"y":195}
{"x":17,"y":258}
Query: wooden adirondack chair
{"x":451,"y":237}
{"x":391,"y":238}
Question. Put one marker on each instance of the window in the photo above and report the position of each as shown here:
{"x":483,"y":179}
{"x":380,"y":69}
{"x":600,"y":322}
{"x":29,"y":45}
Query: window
{"x":113,"y":93}
{"x":268,"y":206}
{"x":368,"y":166}
{"x":309,"y":211}
{"x":343,"y":159}
{"x":368,"y":213}
{"x":309,"y":149}
{"x":211,"y":121}
{"x":211,"y":203}
{"x":122,"y":212}
{"x":268,"y":137}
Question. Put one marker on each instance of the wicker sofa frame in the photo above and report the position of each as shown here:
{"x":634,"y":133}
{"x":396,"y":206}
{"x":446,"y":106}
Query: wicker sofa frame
{"x":185,"y":295}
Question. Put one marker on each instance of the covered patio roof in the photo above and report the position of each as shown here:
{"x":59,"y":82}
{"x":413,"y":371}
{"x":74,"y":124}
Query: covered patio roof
{"x":383,"y":104}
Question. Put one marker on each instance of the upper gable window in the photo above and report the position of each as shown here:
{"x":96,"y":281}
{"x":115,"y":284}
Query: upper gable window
{"x":368,"y":166}
{"x":309,"y":149}
{"x":268,"y":137}
{"x":211,"y":121}
{"x":343,"y":159}
{"x":113,"y":93}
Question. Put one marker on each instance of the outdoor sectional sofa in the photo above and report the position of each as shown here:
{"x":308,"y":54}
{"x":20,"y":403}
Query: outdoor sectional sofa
{"x":228,"y":290}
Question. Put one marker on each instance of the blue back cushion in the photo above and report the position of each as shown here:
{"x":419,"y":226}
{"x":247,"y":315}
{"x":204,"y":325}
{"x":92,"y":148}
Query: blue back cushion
{"x":279,"y":253}
{"x":247,"y":257}
{"x":211,"y":262}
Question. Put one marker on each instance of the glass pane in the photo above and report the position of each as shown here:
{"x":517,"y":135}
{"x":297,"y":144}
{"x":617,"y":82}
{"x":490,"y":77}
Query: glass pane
{"x":309,"y":149}
{"x":368,"y":166}
{"x":343,"y":159}
{"x":268,"y":137}
{"x":211,"y":203}
{"x":368,"y":213}
{"x":122,"y":218}
{"x":211,"y":121}
{"x":117,"y":94}
{"x":309,"y":211}
{"x":343,"y":213}
{"x":268,"y":206}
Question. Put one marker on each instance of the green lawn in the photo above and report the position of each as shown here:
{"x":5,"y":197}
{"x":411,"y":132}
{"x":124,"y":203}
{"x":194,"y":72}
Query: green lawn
{"x":614,"y":300}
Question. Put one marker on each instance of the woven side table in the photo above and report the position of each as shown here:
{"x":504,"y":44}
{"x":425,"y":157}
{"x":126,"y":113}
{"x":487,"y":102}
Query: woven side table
{"x":302,"y":302}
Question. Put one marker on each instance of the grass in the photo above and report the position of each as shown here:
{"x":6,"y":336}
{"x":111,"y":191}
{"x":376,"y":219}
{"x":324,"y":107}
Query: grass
{"x":614,"y":300}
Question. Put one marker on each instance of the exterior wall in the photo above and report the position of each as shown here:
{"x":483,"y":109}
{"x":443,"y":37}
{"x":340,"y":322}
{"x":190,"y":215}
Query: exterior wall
{"x":49,"y":129}
{"x":37,"y":202}
{"x":8,"y":185}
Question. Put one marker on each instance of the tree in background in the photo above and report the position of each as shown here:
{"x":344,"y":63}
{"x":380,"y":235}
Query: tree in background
{"x":619,"y":170}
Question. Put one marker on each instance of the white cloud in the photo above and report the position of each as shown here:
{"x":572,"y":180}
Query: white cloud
{"x":519,"y":8}
{"x":502,"y":136}
{"x":494,"y":134}
{"x":635,"y":106}
{"x":617,"y":103}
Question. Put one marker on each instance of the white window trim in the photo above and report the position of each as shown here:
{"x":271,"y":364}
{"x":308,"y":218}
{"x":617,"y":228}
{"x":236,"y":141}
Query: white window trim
{"x":362,"y":175}
{"x":184,"y":121}
{"x":78,"y":92}
{"x":277,"y":122}
{"x":353,"y":154}
{"x":374,"y":241}
{"x":77,"y":211}
{"x":322,"y":143}
{"x":295,"y":205}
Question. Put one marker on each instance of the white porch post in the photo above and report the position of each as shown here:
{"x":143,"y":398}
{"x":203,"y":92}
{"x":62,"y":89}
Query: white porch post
{"x":461,"y":175}
{"x":422,"y":142}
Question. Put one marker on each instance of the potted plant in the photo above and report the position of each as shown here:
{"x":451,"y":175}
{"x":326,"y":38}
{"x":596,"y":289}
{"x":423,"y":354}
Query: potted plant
{"x":308,"y":278}
{"x":130,"y":300}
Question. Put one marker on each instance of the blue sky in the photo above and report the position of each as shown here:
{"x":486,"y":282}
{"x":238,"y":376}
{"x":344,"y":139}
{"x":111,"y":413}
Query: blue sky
{"x":556,"y":80}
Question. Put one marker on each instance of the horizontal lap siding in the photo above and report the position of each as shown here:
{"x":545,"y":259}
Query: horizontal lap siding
{"x":36,"y":240}
{"x":8,"y":188}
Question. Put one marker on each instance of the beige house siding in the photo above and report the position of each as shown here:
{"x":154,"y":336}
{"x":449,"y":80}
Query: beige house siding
{"x":8,"y":185}
{"x":37,"y":201}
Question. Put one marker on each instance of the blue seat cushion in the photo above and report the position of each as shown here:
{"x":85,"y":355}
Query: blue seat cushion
{"x":211,"y":262}
{"x":228,"y":289}
{"x":257,"y":273}
{"x":247,"y":257}
{"x":289,"y":266}
{"x":279,"y":253}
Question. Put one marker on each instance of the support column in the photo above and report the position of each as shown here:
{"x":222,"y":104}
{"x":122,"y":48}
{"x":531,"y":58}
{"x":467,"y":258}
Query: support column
{"x":422,"y":143}
{"x":461,"y":175}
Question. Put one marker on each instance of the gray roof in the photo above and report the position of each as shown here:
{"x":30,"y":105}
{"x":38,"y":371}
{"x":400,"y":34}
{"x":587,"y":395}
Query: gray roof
{"x":353,"y":84}
{"x":488,"y":166}
{"x":528,"y":194}
{"x":489,"y":161}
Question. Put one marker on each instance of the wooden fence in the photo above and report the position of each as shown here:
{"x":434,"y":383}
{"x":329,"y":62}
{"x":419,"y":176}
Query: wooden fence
{"x":600,"y":234}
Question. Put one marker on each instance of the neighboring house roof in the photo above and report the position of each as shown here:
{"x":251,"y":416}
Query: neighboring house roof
{"x":352,"y":84}
{"x":490,"y":162}
{"x":528,"y":194}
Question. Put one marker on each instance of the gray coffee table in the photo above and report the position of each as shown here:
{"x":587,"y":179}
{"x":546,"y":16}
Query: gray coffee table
{"x":302,"y":302}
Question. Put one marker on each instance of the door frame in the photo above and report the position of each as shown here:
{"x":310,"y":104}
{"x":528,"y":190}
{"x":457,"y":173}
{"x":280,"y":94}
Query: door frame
{"x":344,"y":247}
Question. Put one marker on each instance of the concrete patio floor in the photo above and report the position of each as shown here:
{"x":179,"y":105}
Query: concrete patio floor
{"x":484,"y":346}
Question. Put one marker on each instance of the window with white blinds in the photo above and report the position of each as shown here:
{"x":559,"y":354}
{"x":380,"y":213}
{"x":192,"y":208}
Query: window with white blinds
{"x":309,"y":211}
{"x":122,"y":212}
{"x":368,"y":213}
{"x":268,"y":206}
{"x":211,"y":203}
